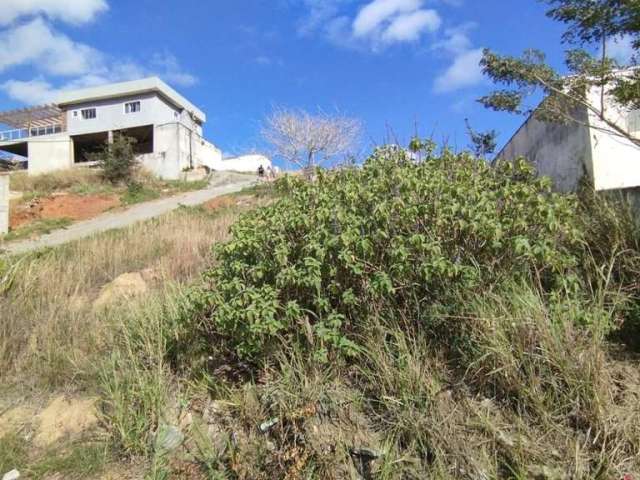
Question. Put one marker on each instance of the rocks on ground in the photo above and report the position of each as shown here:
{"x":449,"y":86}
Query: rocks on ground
{"x":64,"y":418}
{"x":12,"y":475}
{"x":126,"y":286}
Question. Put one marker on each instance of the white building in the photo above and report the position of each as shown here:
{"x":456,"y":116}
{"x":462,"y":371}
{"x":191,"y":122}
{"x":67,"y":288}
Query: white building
{"x":567,"y":152}
{"x":168,"y":128}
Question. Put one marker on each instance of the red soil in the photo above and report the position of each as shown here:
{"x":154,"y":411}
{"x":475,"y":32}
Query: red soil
{"x":220,"y":202}
{"x":73,"y":207}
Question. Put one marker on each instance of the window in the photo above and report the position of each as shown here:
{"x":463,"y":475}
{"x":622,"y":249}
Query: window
{"x":88,"y":113}
{"x":131,"y":107}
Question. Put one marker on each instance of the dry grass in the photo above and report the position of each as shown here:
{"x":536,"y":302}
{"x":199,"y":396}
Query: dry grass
{"x":512,"y":390}
{"x":50,"y":330}
{"x":48,"y":183}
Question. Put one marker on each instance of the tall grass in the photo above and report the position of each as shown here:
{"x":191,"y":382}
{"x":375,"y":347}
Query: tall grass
{"x":134,"y":379}
{"x":45,"y":184}
{"x":512,"y":389}
{"x":50,"y":331}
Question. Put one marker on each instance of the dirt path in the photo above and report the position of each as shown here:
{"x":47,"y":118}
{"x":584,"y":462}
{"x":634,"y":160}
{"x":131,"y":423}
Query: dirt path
{"x":137,"y":213}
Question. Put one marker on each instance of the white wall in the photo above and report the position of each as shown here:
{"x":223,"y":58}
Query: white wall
{"x":178,"y":148}
{"x":207,"y":154}
{"x":245,"y":163}
{"x":50,"y":153}
{"x":562,"y":152}
{"x":165,"y":162}
{"x":616,"y":160}
{"x":110,"y":114}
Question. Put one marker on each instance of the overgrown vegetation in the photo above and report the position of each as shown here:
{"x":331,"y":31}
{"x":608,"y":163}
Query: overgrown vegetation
{"x":394,"y":239}
{"x":402,"y":320}
{"x":56,"y":334}
{"x":78,"y":180}
{"x":80,"y":461}
{"x":39,"y":227}
{"x":456,"y":318}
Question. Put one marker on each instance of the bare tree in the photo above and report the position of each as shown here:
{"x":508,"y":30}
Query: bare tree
{"x":309,"y":140}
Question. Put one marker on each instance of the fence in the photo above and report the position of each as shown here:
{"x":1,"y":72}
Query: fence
{"x":21,"y":133}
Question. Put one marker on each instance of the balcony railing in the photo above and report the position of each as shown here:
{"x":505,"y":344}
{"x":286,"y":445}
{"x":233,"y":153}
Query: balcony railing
{"x":21,"y":133}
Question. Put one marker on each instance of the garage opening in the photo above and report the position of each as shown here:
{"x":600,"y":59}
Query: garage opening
{"x":86,"y":145}
{"x":143,"y":136}
{"x":14,"y":156}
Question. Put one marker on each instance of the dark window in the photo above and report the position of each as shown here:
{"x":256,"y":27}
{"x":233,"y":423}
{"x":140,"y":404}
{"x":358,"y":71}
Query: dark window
{"x":131,"y":107}
{"x":88,"y":113}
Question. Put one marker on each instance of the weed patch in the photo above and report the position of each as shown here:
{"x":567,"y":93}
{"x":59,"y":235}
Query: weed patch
{"x":37,"y":228}
{"x":138,"y":193}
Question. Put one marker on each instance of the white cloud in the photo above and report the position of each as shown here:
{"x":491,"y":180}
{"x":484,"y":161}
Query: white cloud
{"x":376,"y":25}
{"x":464,"y":72}
{"x":377,"y":12}
{"x":319,"y":13}
{"x":41,"y":90}
{"x":71,"y":11}
{"x":50,"y":52}
{"x":167,"y":66}
{"x":52,"y":55}
{"x":456,"y":40}
{"x":409,"y":27}
{"x":31,"y":92}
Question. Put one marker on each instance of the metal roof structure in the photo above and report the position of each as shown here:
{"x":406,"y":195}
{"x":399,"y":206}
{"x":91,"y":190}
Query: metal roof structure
{"x":32,"y":117}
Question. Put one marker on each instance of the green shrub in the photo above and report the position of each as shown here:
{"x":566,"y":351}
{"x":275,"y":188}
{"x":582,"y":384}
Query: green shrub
{"x":138,"y":193}
{"x":390,"y":239}
{"x":117,"y":159}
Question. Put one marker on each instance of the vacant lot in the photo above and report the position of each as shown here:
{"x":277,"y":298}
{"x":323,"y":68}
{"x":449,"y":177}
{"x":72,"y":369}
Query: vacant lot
{"x":61,"y":311}
{"x":46,"y":202}
{"x":396,"y":321}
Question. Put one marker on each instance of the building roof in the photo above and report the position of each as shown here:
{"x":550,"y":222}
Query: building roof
{"x":32,"y":117}
{"x":135,"y":87}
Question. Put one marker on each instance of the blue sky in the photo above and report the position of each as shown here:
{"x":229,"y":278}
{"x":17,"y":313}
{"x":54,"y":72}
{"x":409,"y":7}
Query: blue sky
{"x":398,"y":65}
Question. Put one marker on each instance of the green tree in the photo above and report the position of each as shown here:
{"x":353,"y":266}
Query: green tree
{"x":482,"y":143}
{"x":117,"y":159}
{"x":591,"y":25}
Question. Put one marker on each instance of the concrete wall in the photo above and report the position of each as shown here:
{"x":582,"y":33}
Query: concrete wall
{"x":50,"y":153}
{"x":110,"y":114}
{"x":189,"y":122}
{"x":165,"y":161}
{"x":562,"y":152}
{"x":616,"y":160}
{"x":245,"y":163}
{"x":4,"y":203}
{"x":207,"y":154}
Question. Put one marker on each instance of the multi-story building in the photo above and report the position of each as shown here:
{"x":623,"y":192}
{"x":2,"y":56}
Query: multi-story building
{"x":167,"y":127}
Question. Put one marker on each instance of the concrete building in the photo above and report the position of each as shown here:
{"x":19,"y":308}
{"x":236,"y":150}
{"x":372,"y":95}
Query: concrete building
{"x":568,"y":152}
{"x":168,"y":128}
